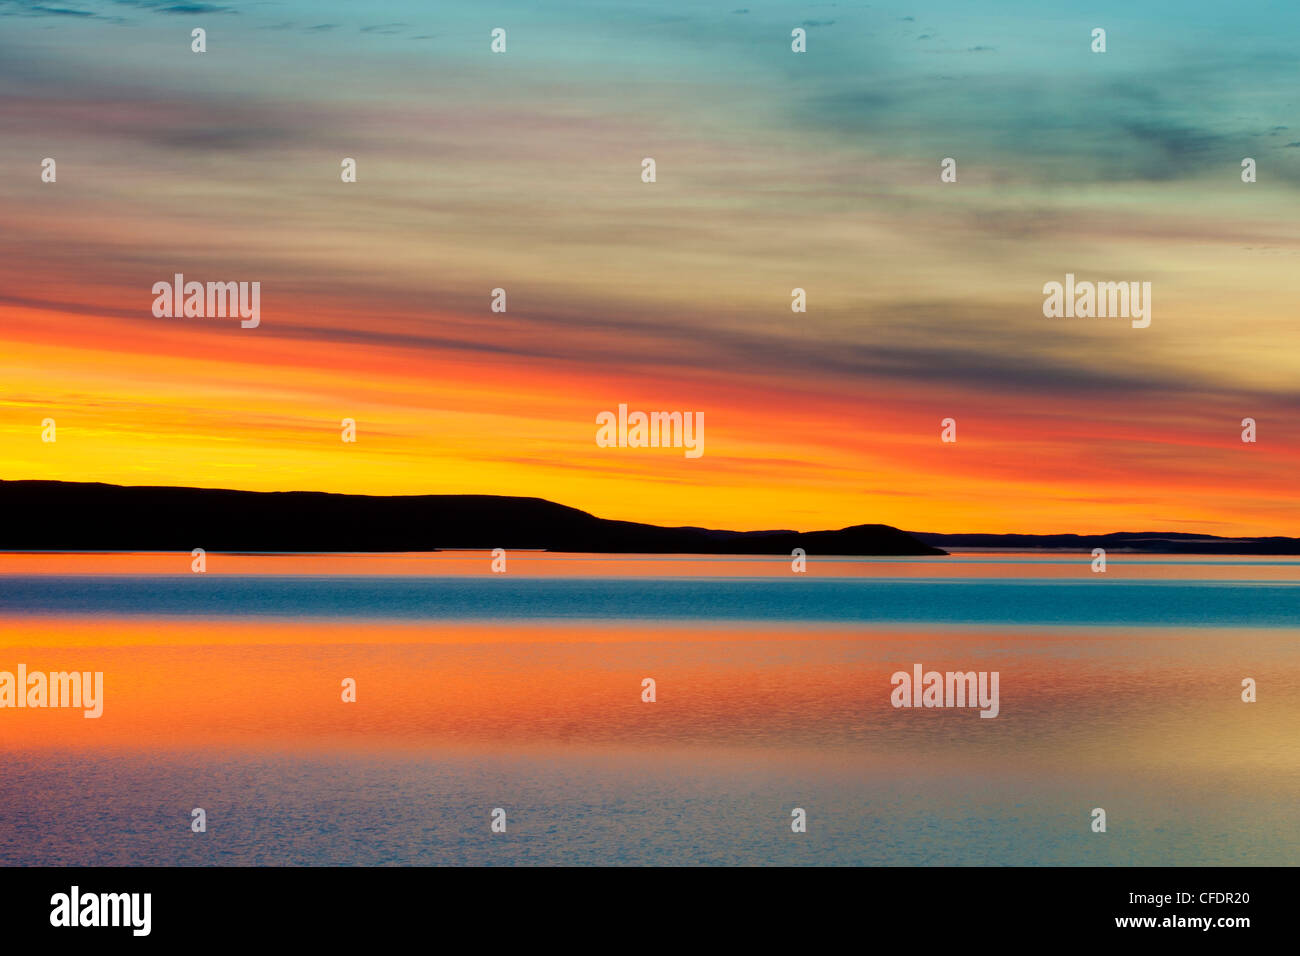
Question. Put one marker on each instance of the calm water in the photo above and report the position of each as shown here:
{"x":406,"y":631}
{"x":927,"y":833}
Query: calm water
{"x":523,"y":691}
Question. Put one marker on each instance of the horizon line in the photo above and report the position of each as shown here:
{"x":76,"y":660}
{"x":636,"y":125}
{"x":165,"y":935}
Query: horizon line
{"x":936,"y":534}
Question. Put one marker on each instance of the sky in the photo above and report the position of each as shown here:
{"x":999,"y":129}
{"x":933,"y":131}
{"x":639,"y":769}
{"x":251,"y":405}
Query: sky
{"x":775,"y":170}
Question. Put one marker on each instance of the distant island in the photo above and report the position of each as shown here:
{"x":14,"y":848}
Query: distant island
{"x":1147,"y":542}
{"x":77,"y":516}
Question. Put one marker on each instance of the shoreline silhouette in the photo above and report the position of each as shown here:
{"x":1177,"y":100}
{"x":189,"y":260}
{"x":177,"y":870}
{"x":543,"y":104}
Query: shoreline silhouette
{"x":66,"y":516}
{"x":94,"y":516}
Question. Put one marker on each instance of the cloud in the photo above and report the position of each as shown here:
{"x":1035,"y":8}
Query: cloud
{"x":26,"y":8}
{"x":193,"y":8}
{"x":60,"y":12}
{"x":169,"y":6}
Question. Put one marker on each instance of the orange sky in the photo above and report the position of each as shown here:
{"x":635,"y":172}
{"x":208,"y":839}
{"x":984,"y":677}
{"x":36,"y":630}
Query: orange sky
{"x":182,"y":404}
{"x":924,"y":298}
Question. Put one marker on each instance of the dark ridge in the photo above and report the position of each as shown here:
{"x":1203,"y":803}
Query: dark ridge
{"x":1149,"y":542}
{"x":73,"y":516}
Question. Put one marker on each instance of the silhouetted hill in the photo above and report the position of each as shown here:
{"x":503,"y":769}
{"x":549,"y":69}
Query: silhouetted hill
{"x":1152,"y":542}
{"x":59,"y":516}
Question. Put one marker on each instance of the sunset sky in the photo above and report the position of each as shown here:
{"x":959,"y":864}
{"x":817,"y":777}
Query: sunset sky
{"x":775,"y":170}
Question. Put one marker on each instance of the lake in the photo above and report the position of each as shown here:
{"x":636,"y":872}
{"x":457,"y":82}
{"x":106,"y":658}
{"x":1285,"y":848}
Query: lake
{"x":523,"y":691}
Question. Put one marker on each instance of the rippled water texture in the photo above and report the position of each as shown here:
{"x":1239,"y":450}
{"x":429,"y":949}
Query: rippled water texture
{"x":523,"y":691}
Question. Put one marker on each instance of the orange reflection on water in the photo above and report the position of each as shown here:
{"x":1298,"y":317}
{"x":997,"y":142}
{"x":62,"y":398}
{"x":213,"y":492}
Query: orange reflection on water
{"x":1069,"y":698}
